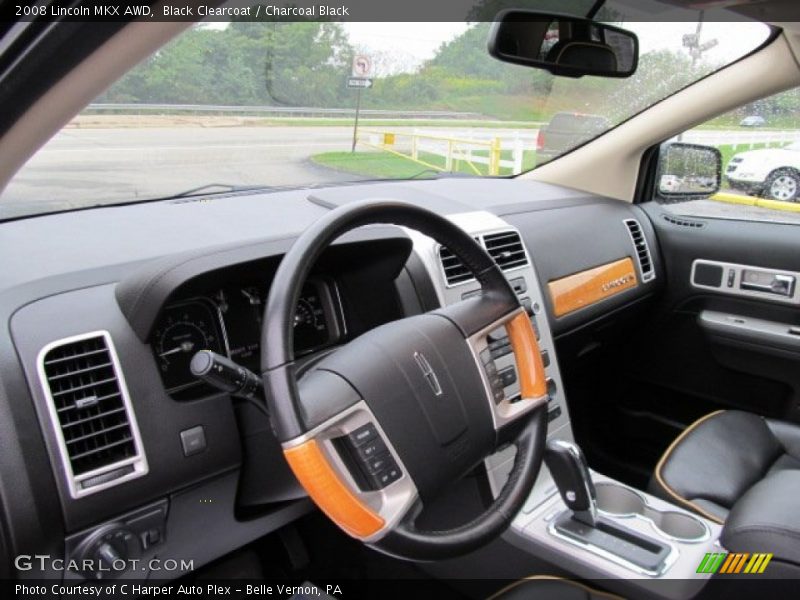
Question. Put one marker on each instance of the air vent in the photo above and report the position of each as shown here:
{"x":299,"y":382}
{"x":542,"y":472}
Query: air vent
{"x":504,"y":247}
{"x":91,"y":413}
{"x":683,"y":222}
{"x":642,"y":249}
{"x":454,"y":270}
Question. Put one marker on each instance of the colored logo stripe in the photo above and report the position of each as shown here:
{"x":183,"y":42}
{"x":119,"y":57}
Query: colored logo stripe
{"x":738,"y":562}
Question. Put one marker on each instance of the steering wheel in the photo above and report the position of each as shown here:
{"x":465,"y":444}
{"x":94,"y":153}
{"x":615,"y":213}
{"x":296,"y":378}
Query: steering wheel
{"x":383,"y":424}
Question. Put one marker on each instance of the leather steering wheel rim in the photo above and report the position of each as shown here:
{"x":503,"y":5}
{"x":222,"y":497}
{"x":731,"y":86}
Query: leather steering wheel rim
{"x":295,"y":423}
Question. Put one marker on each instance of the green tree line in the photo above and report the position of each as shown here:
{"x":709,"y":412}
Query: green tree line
{"x":307,"y":63}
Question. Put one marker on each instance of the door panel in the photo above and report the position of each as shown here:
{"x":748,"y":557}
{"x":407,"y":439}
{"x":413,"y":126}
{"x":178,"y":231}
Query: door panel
{"x":731,"y":345}
{"x":684,"y":363}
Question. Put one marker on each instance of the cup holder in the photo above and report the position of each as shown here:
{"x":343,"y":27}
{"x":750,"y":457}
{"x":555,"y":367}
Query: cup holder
{"x":619,"y":501}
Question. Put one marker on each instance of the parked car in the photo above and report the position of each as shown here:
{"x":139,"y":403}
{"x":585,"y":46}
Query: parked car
{"x":566,"y":131}
{"x":753,"y":121}
{"x":769,"y":172}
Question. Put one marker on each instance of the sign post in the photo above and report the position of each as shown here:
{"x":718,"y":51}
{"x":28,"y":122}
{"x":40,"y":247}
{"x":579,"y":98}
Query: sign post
{"x":362,"y":69}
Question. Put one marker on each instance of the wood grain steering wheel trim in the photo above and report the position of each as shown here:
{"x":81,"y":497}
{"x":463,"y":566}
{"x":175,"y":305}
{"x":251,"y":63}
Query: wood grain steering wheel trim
{"x":532,"y":382}
{"x":329,"y":492}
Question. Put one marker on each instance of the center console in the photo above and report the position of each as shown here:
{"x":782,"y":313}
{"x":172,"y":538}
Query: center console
{"x":622,"y":534}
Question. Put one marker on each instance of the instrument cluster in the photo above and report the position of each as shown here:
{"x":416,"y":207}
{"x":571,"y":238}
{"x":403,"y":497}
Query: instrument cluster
{"x":228,"y":321}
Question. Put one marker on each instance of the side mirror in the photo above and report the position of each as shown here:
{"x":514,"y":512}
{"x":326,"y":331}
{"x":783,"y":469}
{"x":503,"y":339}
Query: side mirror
{"x":563,"y":44}
{"x":688,"y":171}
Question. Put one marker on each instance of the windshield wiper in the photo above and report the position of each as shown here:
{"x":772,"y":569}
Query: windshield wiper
{"x":223,"y":187}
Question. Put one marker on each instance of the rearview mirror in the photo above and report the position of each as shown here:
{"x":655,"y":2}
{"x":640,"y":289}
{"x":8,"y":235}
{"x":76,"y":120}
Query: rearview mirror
{"x":563,"y":44}
{"x":688,"y":171}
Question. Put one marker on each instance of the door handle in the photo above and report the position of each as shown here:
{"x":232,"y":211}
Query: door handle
{"x":771,"y":283}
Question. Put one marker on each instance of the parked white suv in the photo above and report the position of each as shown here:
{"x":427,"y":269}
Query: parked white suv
{"x":770,"y":172}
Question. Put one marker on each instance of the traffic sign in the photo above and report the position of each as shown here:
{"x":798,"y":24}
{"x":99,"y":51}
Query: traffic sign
{"x":362,"y":66}
{"x":359,"y":82}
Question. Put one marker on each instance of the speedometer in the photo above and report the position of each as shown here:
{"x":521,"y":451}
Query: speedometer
{"x":183,"y":330}
{"x":310,"y":320}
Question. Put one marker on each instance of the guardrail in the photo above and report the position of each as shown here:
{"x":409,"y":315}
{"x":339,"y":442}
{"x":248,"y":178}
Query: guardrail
{"x":292,"y":111}
{"x":455,"y":150}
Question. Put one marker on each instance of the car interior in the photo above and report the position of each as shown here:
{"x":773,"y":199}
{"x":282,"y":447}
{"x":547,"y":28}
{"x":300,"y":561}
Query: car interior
{"x":546,"y":385}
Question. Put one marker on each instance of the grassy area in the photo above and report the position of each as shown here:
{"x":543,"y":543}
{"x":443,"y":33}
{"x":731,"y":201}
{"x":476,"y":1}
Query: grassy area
{"x":383,"y":165}
{"x":728,"y":121}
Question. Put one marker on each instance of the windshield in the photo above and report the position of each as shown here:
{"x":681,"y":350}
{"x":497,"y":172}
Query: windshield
{"x":232,"y":105}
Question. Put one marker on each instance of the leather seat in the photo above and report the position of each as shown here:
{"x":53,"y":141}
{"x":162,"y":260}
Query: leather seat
{"x":720,"y":457}
{"x":545,"y":587}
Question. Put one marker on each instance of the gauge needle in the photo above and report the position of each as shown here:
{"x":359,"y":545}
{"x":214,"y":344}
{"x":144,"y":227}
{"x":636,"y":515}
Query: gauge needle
{"x":184,"y":347}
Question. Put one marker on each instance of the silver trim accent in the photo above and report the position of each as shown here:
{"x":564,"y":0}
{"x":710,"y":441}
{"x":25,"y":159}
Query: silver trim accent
{"x":390,"y":503}
{"x":428,"y":373}
{"x":670,"y":560}
{"x":649,"y":276}
{"x":505,"y":411}
{"x":736,"y":290}
{"x":479,"y":238}
{"x":139,"y":461}
{"x":706,"y":531}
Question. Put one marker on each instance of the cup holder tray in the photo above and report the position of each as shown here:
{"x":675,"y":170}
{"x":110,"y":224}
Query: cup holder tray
{"x":621,"y":502}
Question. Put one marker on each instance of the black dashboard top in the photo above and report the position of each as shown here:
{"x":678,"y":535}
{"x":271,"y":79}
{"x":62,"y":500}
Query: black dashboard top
{"x":57,"y":244}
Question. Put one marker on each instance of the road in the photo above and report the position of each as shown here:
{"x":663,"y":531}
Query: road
{"x":88,"y":166}
{"x":80,"y":167}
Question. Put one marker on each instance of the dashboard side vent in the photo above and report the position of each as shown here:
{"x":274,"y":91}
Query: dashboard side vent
{"x":91,"y":412}
{"x":506,"y":249}
{"x":643,"y":255}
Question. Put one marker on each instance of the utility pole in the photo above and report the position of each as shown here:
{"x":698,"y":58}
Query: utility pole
{"x":692,"y":41}
{"x":355,"y":123}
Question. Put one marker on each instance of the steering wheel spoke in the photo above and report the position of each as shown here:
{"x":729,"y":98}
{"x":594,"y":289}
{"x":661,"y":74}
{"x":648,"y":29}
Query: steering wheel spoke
{"x":351,"y":470}
{"x":514,"y":329}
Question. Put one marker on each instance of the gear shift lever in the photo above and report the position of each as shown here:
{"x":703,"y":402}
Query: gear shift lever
{"x":571,"y":473}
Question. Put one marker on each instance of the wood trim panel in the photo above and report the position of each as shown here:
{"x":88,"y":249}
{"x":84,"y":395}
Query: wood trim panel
{"x":532,"y":381}
{"x":588,"y":287}
{"x":329,"y":492}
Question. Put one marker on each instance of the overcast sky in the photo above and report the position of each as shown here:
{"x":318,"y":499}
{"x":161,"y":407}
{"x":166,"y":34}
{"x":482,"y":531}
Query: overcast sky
{"x":419,"y":41}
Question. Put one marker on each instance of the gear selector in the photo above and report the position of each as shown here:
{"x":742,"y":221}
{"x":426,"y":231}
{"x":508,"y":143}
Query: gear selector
{"x":571,"y":473}
{"x":581,"y":524}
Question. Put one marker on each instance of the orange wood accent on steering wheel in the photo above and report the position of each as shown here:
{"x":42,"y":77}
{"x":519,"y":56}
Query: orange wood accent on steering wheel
{"x":588,"y":287}
{"x":330,"y":494}
{"x":532,"y":383}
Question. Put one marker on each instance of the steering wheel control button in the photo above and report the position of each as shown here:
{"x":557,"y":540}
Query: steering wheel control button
{"x":500,"y":347}
{"x":362,"y":435}
{"x":508,"y":376}
{"x":371,"y":449}
{"x":552,"y":388}
{"x":193,"y":440}
{"x":378,"y":463}
{"x":386,"y":477}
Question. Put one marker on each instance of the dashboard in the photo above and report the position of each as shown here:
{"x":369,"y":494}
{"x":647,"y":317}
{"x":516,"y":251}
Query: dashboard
{"x":190,"y":454}
{"x":228,"y":321}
